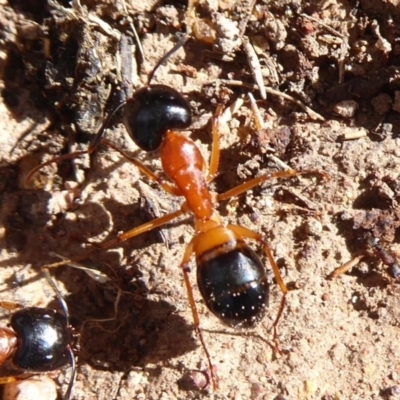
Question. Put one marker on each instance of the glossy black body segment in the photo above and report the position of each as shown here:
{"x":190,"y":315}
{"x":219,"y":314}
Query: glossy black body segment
{"x":153,"y":111}
{"x":234,"y":285}
{"x":43,"y":339}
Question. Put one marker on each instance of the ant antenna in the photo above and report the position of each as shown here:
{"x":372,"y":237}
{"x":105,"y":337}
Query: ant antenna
{"x":99,"y":135}
{"x":92,"y":147}
{"x":73,"y":375}
{"x":60,"y":298}
{"x":64,"y":307}
{"x":180,"y":43}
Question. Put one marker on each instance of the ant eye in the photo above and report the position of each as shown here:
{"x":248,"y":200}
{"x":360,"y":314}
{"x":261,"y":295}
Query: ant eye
{"x":152,"y":112}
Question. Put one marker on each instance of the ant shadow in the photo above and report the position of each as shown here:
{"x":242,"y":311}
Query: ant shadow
{"x":358,"y":245}
{"x":142,"y":331}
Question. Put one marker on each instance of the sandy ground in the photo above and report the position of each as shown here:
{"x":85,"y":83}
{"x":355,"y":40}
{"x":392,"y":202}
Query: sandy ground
{"x":63,"y":69}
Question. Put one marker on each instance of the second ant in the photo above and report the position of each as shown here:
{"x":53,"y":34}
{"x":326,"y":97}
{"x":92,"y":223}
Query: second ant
{"x":230,"y":275}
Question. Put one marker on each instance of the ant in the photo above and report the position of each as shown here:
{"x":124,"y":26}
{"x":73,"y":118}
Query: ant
{"x":230,"y":276}
{"x":41,"y":339}
{"x":387,"y":256}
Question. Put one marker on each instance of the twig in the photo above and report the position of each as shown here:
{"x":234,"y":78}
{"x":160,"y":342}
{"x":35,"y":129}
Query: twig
{"x":345,"y":267}
{"x":229,"y":111}
{"x":137,"y":39}
{"x":244,"y":21}
{"x":254,"y":65}
{"x":308,"y":110}
{"x":352,"y":135}
{"x":256,"y":113}
{"x":279,"y":162}
{"x":327,"y":27}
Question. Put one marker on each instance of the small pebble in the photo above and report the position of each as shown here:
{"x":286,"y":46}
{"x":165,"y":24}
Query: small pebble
{"x":346,"y":108}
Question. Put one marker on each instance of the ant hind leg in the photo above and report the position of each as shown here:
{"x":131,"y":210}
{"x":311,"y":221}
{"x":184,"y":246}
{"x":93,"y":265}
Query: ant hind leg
{"x":243,"y":232}
{"x":196,"y":320}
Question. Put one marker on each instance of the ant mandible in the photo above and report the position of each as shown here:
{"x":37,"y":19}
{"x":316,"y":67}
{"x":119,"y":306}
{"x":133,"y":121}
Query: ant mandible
{"x":41,"y":339}
{"x":231,"y":277}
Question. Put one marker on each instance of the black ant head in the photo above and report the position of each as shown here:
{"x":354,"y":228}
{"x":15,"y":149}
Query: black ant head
{"x":44,"y":339}
{"x":152,"y":112}
{"x":156,"y":109}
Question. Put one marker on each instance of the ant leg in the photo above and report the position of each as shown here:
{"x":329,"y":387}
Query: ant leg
{"x":146,"y":227}
{"x":215,"y":150}
{"x":248,"y":233}
{"x":11,"y":306}
{"x":345,"y":267}
{"x":145,"y":171}
{"x":8,"y":345}
{"x":196,"y":320}
{"x":155,"y":223}
{"x":8,"y":379}
{"x":244,"y":187}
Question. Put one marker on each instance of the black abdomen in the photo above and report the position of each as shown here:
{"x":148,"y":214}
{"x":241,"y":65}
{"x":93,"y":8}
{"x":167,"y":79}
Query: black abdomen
{"x":234,"y":285}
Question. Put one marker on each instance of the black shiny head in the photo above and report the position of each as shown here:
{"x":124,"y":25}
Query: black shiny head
{"x":43,"y":338}
{"x":153,"y":111}
{"x":234,"y":285}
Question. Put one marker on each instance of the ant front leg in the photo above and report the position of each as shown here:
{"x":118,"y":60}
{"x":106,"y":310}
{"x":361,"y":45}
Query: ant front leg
{"x":8,"y":340}
{"x":30,"y":386}
{"x":10,"y":305}
{"x":145,"y":171}
{"x":148,"y":226}
{"x":8,"y":379}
